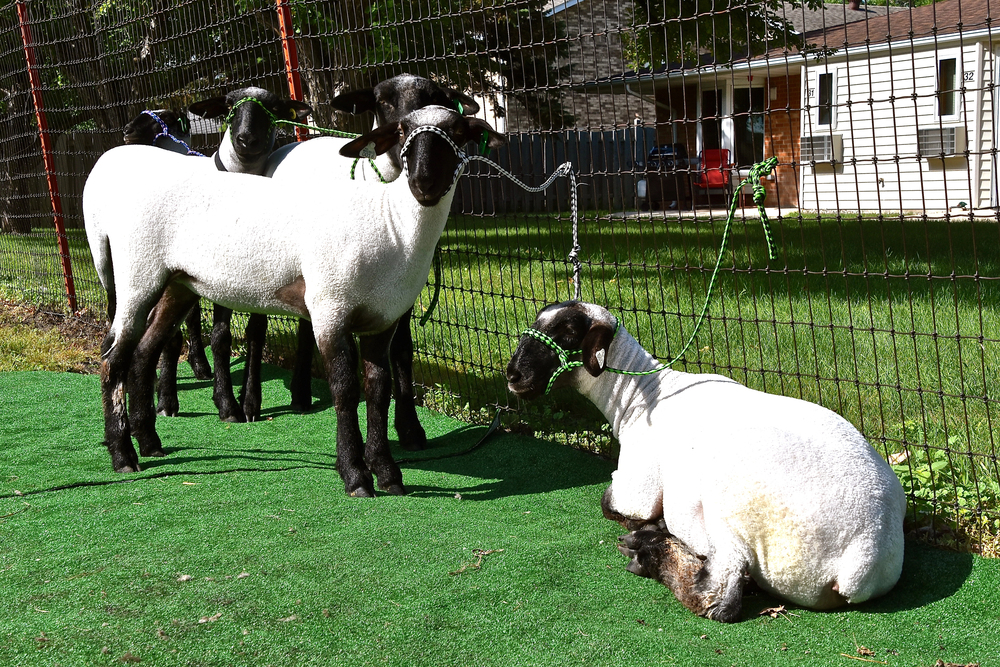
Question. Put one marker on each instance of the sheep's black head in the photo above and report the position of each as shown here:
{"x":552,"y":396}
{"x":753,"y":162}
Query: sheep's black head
{"x":250,"y":113}
{"x":564,"y":336}
{"x":393,"y":99}
{"x":145,"y":129}
{"x":430,"y":140}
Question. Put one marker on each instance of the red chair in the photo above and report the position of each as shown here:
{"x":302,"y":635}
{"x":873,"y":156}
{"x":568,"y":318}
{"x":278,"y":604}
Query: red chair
{"x":714,"y":173}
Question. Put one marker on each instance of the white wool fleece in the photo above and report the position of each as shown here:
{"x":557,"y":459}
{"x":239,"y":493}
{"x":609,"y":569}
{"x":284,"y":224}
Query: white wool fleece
{"x":363,"y":250}
{"x":739,"y":475}
{"x":319,"y":159}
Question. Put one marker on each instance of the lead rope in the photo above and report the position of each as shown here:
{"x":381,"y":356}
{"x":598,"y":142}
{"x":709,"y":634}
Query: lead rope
{"x":165,"y":132}
{"x":565,"y":169}
{"x":757,"y":172}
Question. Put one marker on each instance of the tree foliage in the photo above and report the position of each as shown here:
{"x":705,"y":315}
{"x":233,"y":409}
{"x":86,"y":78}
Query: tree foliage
{"x":683,"y":31}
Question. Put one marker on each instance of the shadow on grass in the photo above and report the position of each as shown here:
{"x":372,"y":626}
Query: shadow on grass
{"x":929,"y":575}
{"x":512,"y":465}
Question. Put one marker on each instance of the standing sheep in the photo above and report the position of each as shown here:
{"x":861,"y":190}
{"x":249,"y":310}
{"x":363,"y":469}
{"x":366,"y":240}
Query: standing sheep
{"x":313,"y":161}
{"x":245,"y":147}
{"x":351,"y":258}
{"x":718,"y":482}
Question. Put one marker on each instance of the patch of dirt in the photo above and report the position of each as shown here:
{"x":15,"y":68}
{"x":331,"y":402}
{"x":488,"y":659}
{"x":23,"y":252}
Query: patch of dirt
{"x":83,"y":332}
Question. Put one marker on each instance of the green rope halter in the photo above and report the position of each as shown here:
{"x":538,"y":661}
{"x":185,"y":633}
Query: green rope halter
{"x":757,"y":172}
{"x":285,"y":121}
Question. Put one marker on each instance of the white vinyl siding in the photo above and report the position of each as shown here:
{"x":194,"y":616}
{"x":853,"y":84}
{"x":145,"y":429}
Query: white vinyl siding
{"x":878,"y":115}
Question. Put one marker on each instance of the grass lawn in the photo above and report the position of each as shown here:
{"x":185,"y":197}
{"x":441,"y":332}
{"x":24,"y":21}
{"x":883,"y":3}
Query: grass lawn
{"x":240,"y":548}
{"x":893,"y":323}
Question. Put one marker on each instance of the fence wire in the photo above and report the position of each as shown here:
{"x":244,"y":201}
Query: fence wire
{"x":882,"y":305}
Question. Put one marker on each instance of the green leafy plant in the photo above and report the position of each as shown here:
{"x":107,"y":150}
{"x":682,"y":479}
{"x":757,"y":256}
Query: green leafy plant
{"x":948,"y":490}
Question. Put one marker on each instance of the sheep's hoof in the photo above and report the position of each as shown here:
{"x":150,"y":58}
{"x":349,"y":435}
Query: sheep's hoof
{"x":394,"y":489}
{"x":361,"y":492}
{"x":413,"y":443}
{"x":301,"y":406}
{"x":233,"y":417}
{"x":168,"y":407}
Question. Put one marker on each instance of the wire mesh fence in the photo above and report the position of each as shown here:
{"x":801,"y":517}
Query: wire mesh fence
{"x":882,"y":303}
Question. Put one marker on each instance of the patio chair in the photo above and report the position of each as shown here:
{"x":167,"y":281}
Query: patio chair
{"x":714,"y":173}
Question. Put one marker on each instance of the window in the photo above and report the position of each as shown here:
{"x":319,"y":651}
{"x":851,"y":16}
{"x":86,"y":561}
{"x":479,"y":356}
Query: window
{"x":748,"y":126}
{"x":711,"y":126}
{"x":825,"y":112}
{"x":947,"y":84}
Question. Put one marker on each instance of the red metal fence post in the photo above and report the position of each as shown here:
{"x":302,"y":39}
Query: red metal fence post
{"x":291,"y":58}
{"x":47,"y":158}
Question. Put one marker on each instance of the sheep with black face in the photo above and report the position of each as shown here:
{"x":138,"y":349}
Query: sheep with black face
{"x":351,"y":258}
{"x":719,"y":482}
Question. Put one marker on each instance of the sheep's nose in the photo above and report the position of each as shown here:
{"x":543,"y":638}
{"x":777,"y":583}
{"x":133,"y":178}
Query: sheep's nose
{"x":246,"y":140}
{"x":513,"y":375}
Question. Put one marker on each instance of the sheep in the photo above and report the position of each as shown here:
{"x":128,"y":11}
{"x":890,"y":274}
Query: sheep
{"x":718,"y":482}
{"x":164,"y":128}
{"x":170,"y":130}
{"x":246,"y":144}
{"x":311,"y":161}
{"x":351,"y":258}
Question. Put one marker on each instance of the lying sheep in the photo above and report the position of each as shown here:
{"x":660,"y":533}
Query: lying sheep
{"x":745,"y":484}
{"x":245,"y":147}
{"x":351,"y":258}
{"x":314,"y":161}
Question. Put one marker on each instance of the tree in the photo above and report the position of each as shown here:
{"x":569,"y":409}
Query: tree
{"x":493,"y":48}
{"x":680,"y":31}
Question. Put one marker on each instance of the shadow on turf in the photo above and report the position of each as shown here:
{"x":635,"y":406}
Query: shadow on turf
{"x":929,"y":575}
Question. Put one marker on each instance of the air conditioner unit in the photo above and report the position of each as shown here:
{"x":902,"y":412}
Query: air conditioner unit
{"x":822,"y":148}
{"x":940,"y":141}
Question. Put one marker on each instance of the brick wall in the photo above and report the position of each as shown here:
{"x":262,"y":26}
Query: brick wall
{"x":781,"y":139}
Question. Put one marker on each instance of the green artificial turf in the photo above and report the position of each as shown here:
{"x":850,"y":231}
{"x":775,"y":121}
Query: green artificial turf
{"x":240,"y":548}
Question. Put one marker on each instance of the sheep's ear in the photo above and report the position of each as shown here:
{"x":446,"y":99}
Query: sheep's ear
{"x":210,"y":108}
{"x":381,"y":139}
{"x":595,"y":347}
{"x":464,"y":104}
{"x":355,"y":101}
{"x":297,"y":111}
{"x":478,"y":127}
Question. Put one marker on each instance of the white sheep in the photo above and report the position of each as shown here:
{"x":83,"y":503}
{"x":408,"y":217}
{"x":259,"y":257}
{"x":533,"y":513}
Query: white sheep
{"x":246,"y":144}
{"x":351,"y":258}
{"x":318,"y":161}
{"x":719,"y":482}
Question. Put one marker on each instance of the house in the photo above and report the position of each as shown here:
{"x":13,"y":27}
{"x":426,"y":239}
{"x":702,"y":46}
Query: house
{"x":901,"y":116}
{"x":887,"y":109}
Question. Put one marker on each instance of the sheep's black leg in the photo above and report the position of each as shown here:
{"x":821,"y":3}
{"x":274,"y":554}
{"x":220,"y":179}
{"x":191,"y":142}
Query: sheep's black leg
{"x":170,"y":310}
{"x":378,"y":392}
{"x":657,"y":554}
{"x":196,"y":346}
{"x":340,"y":358}
{"x":115,"y":359}
{"x":411,"y":434}
{"x":166,"y":392}
{"x":302,"y":373}
{"x":256,"y":334}
{"x":222,"y":347}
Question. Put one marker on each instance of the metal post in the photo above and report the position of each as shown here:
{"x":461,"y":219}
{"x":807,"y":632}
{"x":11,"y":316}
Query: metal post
{"x":291,"y":58}
{"x":47,"y":158}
